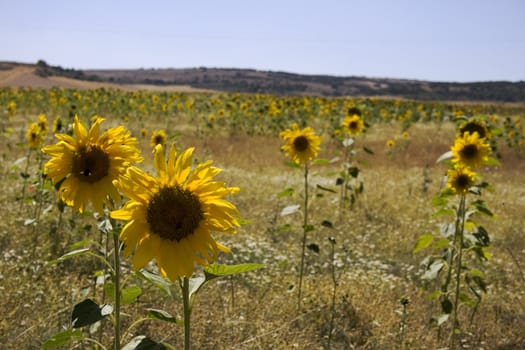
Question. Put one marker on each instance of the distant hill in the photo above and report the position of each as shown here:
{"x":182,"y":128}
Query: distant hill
{"x":255,"y":81}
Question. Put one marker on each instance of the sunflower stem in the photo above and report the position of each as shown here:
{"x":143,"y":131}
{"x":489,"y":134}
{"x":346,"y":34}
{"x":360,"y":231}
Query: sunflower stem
{"x":459,"y":249}
{"x":187,"y":312}
{"x":305,"y":231}
{"x":116,"y":254}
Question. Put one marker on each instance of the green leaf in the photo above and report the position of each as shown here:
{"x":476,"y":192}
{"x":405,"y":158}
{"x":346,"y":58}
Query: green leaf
{"x":80,"y":244}
{"x":286,"y":193}
{"x":70,"y":255}
{"x":423,"y":242}
{"x":321,"y":161}
{"x":309,"y":228}
{"x":161,"y":315}
{"x":129,"y":295}
{"x":109,"y":290}
{"x":293,"y":164}
{"x":492,"y":161}
{"x":218,"y":270}
{"x":156,"y":280}
{"x":434,"y":295}
{"x":63,"y":338}
{"x":88,"y":312}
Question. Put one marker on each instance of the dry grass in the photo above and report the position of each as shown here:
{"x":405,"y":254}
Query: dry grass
{"x":375,"y":265}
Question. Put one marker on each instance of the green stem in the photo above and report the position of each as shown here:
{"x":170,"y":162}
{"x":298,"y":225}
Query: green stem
{"x":459,"y":249}
{"x":116,"y":254}
{"x":334,"y":280}
{"x":187,"y":312}
{"x":305,"y":230}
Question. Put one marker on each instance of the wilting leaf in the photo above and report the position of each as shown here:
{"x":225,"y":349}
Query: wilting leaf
{"x":313,"y":247}
{"x":291,"y":209}
{"x":88,"y":312}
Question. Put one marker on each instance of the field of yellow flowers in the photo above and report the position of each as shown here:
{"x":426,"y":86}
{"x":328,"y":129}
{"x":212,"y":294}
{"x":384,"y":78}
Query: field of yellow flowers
{"x":320,"y":223}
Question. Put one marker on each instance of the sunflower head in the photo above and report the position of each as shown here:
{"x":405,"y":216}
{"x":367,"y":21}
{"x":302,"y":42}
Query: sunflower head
{"x":58,"y":124}
{"x":460,"y":179}
{"x":158,"y":137}
{"x":473,"y":126}
{"x":42,"y":123}
{"x":390,"y":144}
{"x":300,"y":145}
{"x":470,"y":150}
{"x":34,"y":136}
{"x":86,"y":164}
{"x":171,"y":216}
{"x":353,"y":125}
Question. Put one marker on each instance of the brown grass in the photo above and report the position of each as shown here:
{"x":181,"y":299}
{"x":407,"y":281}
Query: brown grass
{"x":258,"y":310}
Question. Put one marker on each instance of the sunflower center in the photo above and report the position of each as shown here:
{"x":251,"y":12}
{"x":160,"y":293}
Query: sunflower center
{"x":300,"y":143}
{"x":469,"y":151}
{"x":353,"y":125}
{"x":174,"y":213}
{"x":463,"y":181}
{"x":91,"y":164}
{"x":472,"y":128}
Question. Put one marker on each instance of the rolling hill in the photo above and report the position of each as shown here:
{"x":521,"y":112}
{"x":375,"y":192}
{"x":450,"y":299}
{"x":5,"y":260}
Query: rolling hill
{"x":255,"y":81}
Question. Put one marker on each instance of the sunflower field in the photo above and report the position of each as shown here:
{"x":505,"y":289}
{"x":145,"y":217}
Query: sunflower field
{"x":171,"y":220}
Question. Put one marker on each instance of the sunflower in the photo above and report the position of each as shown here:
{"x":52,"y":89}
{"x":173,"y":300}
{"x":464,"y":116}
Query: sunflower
{"x":301,"y":145}
{"x":390,"y":144}
{"x":473,"y":126}
{"x":34,"y":135}
{"x":470,"y":150}
{"x":85,"y":166}
{"x":170,"y":217}
{"x":353,"y":125}
{"x":42,"y":123}
{"x":158,"y":137}
{"x":57,"y":124}
{"x":460,"y":179}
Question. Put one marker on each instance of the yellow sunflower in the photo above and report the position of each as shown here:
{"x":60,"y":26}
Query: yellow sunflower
{"x":170,"y":217}
{"x":460,"y":179}
{"x":42,"y":123}
{"x":158,"y":137}
{"x":301,"y":145}
{"x":473,"y":126}
{"x":85,"y":165}
{"x":353,"y":125}
{"x":33,"y":135}
{"x":470,"y":150}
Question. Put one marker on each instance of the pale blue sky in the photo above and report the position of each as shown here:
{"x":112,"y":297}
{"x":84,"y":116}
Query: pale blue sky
{"x":447,"y":40}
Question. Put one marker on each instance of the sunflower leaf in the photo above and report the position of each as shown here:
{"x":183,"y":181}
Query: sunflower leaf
{"x":291,"y":209}
{"x":423,"y":242}
{"x":141,"y":342}
{"x":219,"y":270}
{"x":161,"y":315}
{"x":286,"y":193}
{"x":88,"y":312}
{"x":69,"y":255}
{"x":446,"y":155}
{"x":63,"y":338}
{"x":156,"y":280}
{"x":129,"y":295}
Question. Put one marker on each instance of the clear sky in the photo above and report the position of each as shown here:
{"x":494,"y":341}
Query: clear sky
{"x":445,"y":40}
